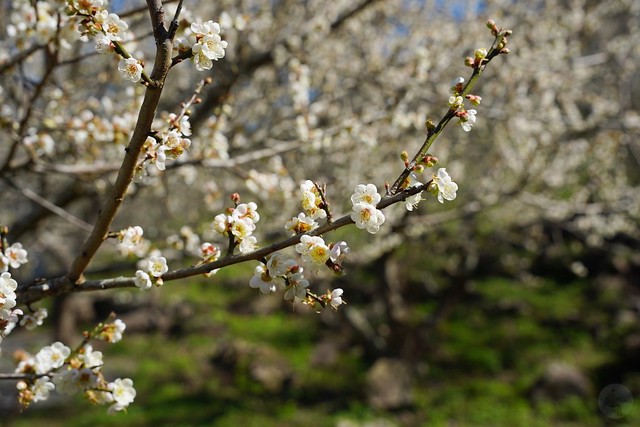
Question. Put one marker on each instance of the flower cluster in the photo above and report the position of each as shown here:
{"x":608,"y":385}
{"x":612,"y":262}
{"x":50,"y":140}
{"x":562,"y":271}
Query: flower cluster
{"x":456,"y":103}
{"x":312,"y":200}
{"x":210,"y":253}
{"x":205,"y":43}
{"x":57,"y":367}
{"x":280,"y":271}
{"x":151,"y":271}
{"x":239,"y":224}
{"x":98,"y":24}
{"x":364,"y":212}
{"x":170,"y":143}
{"x":13,"y":256}
{"x":106,"y":30}
{"x":131,"y":241}
{"x":8,"y":317}
{"x":35,"y":319}
{"x":38,"y":27}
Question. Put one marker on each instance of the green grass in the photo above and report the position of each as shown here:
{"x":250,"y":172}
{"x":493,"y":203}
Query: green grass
{"x":485,"y":358}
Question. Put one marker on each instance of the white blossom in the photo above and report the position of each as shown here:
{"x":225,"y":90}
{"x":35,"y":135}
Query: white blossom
{"x":7,"y":291}
{"x":262,"y":280}
{"x":157,"y":266}
{"x":31,"y":321}
{"x":313,"y":249}
{"x":41,"y":388}
{"x":248,"y":244}
{"x":300,"y":224}
{"x":130,"y":239}
{"x":297,"y":285}
{"x":338,"y":251}
{"x":51,"y":357}
{"x":112,"y":332}
{"x":143,"y":281}
{"x":336,"y":298}
{"x":366,"y":194}
{"x":123,"y":394}
{"x":367,"y":217}
{"x":16,"y":254}
{"x":114,"y":27}
{"x":468,"y":120}
{"x":278,"y":264}
{"x":130,"y":69}
{"x":445,"y":186}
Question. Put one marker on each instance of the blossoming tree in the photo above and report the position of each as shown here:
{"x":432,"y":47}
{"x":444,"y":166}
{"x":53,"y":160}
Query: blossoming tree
{"x":193,"y":133}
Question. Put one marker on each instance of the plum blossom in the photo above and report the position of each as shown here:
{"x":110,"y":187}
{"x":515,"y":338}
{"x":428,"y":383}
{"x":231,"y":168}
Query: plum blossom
{"x":41,"y":388}
{"x":446,"y":188}
{"x":114,"y":27}
{"x":86,"y":6}
{"x":157,"y":266}
{"x":468,"y":119}
{"x":7,"y":291}
{"x":367,"y":217}
{"x":248,"y":244}
{"x":335,"y":298}
{"x":456,"y":85}
{"x":208,"y":46}
{"x":130,"y":69}
{"x":313,"y":249}
{"x":112,"y":332}
{"x":366,"y":194}
{"x":130,"y":238}
{"x":311,"y":200}
{"x":262,"y":280}
{"x":279,"y":264}
{"x":300,"y":224}
{"x":31,"y":321}
{"x":338,"y":251}
{"x":296,"y":285}
{"x":16,"y":255}
{"x":51,"y":357}
{"x":242,"y":228}
{"x":142,"y":281}
{"x":123,"y":394}
{"x":246,"y":210}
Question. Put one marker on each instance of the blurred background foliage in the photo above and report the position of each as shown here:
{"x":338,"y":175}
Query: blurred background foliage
{"x":517,"y":304}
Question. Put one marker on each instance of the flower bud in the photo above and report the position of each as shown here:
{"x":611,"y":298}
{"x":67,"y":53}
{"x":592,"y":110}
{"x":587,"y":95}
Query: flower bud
{"x":469,"y":62}
{"x":429,"y":160}
{"x":491,"y":24}
{"x":480,"y":54}
{"x":404,"y":156}
{"x":430,"y":125}
{"x":475,"y":100}
{"x":457,"y":85}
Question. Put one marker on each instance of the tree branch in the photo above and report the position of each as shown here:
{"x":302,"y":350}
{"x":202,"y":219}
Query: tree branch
{"x":33,"y":292}
{"x":146,"y":115}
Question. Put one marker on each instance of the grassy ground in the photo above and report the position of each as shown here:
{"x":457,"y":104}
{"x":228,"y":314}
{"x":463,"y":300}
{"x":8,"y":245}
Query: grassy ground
{"x":242,"y":359}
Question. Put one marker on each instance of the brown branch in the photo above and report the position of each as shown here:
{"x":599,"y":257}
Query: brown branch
{"x":33,"y":292}
{"x":146,"y":115}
